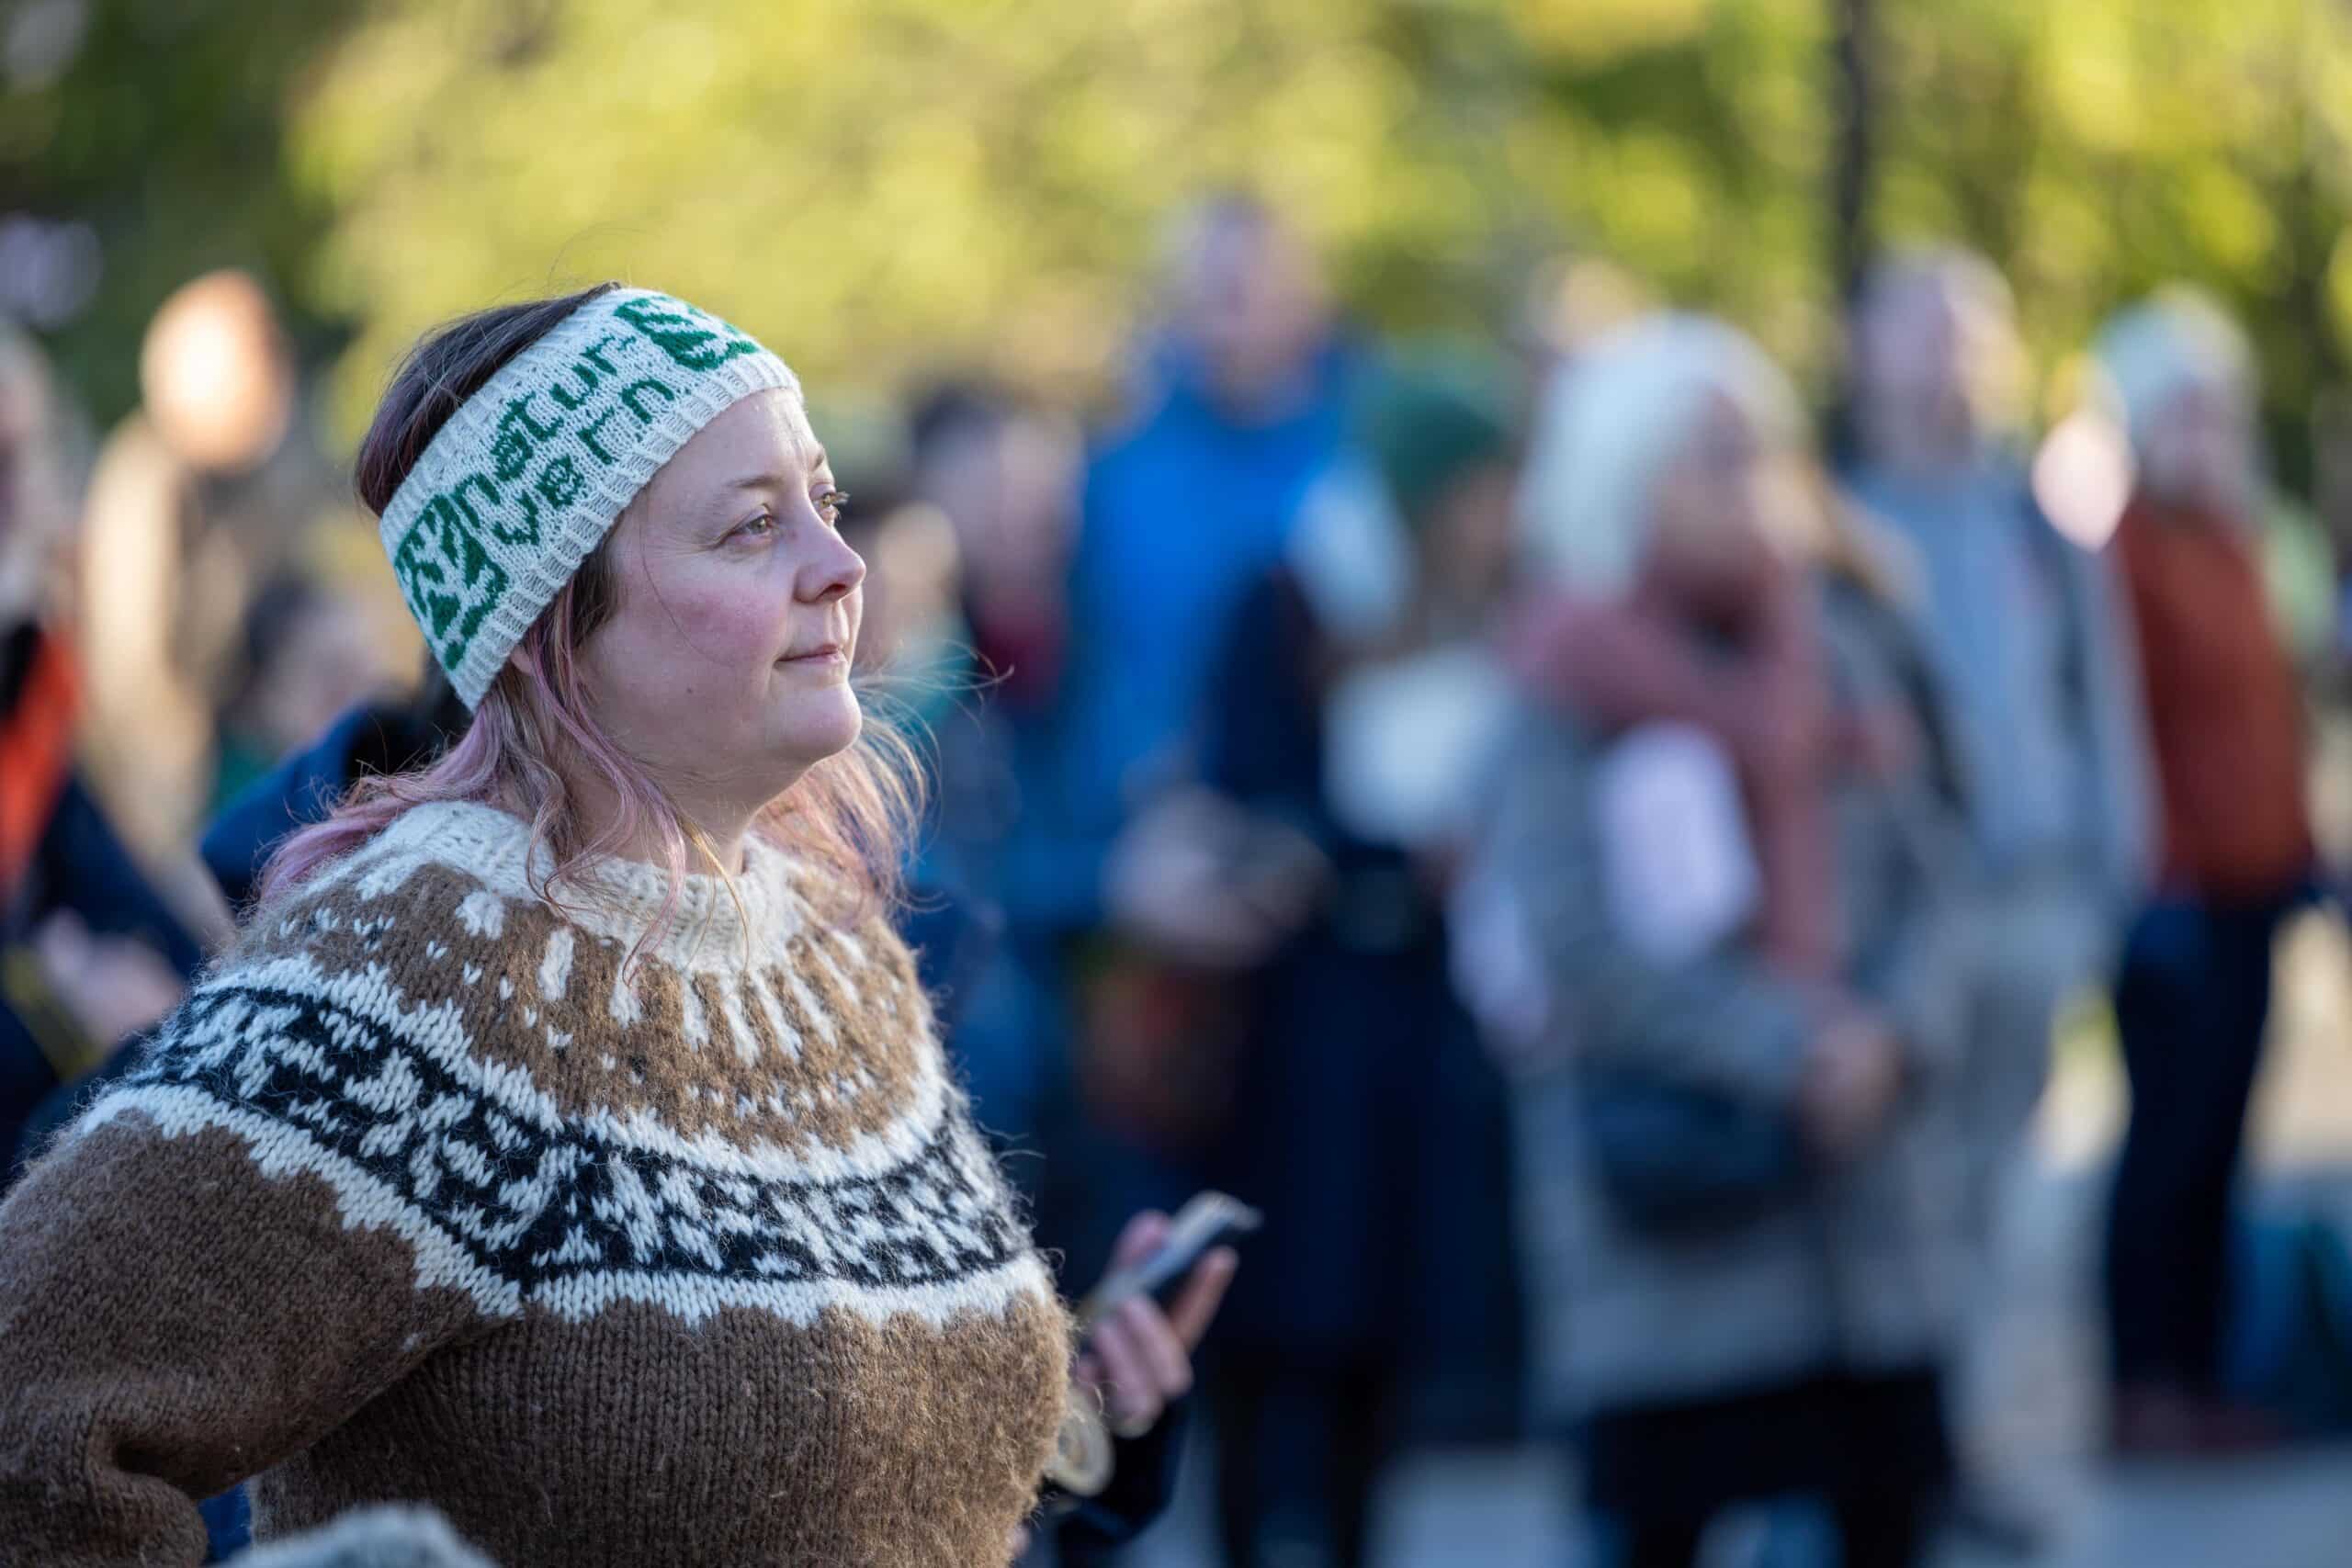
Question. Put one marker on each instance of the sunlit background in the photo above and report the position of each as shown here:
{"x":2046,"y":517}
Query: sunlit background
{"x":225,"y":220}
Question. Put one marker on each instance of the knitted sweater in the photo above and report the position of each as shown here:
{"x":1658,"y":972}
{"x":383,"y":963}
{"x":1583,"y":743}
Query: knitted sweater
{"x":415,"y":1200}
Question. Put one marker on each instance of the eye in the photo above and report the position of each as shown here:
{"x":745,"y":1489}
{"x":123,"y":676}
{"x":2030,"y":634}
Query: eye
{"x":831,"y":504}
{"x":756,"y":527}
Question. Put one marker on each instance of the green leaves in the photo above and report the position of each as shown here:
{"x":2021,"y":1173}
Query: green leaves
{"x":881,"y":187}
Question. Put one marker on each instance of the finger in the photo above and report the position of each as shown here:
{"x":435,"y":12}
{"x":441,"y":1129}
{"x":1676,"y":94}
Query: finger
{"x":1143,"y":1233}
{"x":1087,"y":1370}
{"x":1126,"y":1388}
{"x":1163,"y":1356}
{"x":1196,"y":1305}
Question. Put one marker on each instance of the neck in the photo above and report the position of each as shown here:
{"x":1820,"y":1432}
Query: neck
{"x":711,"y":817}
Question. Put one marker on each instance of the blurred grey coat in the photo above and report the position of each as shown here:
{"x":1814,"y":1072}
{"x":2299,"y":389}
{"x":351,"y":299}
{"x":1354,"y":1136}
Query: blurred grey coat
{"x":1859,"y":1274}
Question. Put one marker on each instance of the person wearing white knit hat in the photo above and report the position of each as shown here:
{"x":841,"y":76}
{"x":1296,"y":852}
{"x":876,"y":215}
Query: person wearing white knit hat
{"x":2227,"y":734}
{"x":1721,"y":839}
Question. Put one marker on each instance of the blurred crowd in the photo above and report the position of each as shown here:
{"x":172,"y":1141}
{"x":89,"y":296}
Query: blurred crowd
{"x":1594,"y":853}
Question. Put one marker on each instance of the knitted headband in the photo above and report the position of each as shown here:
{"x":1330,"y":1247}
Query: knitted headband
{"x":532,"y":470}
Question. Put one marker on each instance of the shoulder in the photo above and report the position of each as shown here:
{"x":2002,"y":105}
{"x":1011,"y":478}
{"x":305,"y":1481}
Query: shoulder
{"x":441,"y":868}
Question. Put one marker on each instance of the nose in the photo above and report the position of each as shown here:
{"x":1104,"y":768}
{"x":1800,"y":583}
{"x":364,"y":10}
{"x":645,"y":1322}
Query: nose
{"x":832,"y":572}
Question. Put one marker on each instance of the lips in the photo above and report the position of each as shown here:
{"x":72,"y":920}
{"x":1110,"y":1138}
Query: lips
{"x":820,"y":652}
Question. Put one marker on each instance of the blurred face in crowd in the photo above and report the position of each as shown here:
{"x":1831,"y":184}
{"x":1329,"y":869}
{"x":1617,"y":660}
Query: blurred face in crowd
{"x":1936,"y":363}
{"x":2199,"y":451}
{"x":324,"y":664}
{"x":725,"y":668}
{"x":1471,"y":534}
{"x":1911,"y":371}
{"x":1010,"y":488}
{"x":1252,"y":306}
{"x":1709,"y":543}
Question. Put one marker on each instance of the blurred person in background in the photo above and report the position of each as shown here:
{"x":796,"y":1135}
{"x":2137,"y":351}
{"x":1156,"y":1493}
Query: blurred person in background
{"x":1001,"y":482}
{"x":984,"y":543}
{"x":304,"y":658}
{"x":1357,"y":1116}
{"x":2023,"y":632}
{"x":1726,"y":833}
{"x":2227,"y":729}
{"x":1240,"y":410}
{"x":90,"y":953}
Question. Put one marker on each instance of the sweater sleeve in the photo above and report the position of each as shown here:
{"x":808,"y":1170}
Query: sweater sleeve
{"x":203,"y":1278}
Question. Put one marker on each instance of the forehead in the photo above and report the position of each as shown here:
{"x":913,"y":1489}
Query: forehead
{"x":766,"y":434}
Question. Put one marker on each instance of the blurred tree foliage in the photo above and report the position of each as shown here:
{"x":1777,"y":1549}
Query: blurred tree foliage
{"x":161,"y":124}
{"x":878,"y":187}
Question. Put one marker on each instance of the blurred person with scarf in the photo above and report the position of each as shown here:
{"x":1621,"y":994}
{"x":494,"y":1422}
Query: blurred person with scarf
{"x":1726,"y":836}
{"x":2226,"y":723}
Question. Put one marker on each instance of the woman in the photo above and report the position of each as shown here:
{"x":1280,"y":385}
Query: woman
{"x":1724,"y":840}
{"x":564,"y":1143}
{"x":2225,"y":724}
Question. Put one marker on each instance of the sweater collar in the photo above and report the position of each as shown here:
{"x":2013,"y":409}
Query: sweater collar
{"x":712,"y":926}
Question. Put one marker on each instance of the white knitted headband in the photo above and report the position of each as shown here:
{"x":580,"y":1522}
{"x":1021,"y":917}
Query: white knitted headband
{"x":530,"y":472}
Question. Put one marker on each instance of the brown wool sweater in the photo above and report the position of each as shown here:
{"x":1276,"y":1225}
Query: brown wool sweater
{"x":415,"y":1200}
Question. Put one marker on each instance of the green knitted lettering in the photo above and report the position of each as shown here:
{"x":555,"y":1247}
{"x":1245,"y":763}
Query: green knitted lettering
{"x":525,"y":532}
{"x":560,"y":482}
{"x":587,"y":435}
{"x":568,"y":399}
{"x":629,"y":395}
{"x":448,"y":580}
{"x":518,"y":437}
{"x":695,"y":338}
{"x":594,"y":353}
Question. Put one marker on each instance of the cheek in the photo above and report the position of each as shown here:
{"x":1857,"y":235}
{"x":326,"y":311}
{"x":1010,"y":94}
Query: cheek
{"x":699,"y":644}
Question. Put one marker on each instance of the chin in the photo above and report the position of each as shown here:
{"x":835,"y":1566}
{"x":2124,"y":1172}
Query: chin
{"x":820,"y":726}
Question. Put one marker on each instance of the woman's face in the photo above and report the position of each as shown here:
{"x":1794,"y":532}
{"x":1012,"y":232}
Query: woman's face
{"x":1708,"y":538}
{"x":2200,"y":450}
{"x":725,"y":670}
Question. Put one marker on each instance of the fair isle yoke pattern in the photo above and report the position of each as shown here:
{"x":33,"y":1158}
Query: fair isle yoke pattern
{"x":520,"y":484}
{"x":761,"y":1120}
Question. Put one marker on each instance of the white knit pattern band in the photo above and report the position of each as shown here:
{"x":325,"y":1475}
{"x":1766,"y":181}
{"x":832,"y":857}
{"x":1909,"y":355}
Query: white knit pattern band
{"x":529,"y":473}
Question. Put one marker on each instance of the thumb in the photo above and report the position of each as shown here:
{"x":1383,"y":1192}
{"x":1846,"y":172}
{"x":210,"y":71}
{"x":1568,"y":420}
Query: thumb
{"x":1144,"y":1233}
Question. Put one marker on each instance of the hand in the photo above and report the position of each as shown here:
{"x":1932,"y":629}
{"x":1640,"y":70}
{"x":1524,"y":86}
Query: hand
{"x":1851,"y":1077}
{"x":113,"y":985}
{"x":1139,"y":1358}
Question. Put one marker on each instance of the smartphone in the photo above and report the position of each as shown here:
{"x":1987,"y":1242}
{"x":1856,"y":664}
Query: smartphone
{"x":1209,"y":1220}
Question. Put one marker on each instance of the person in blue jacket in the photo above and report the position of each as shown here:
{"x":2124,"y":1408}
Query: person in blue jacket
{"x":1242,"y":408}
